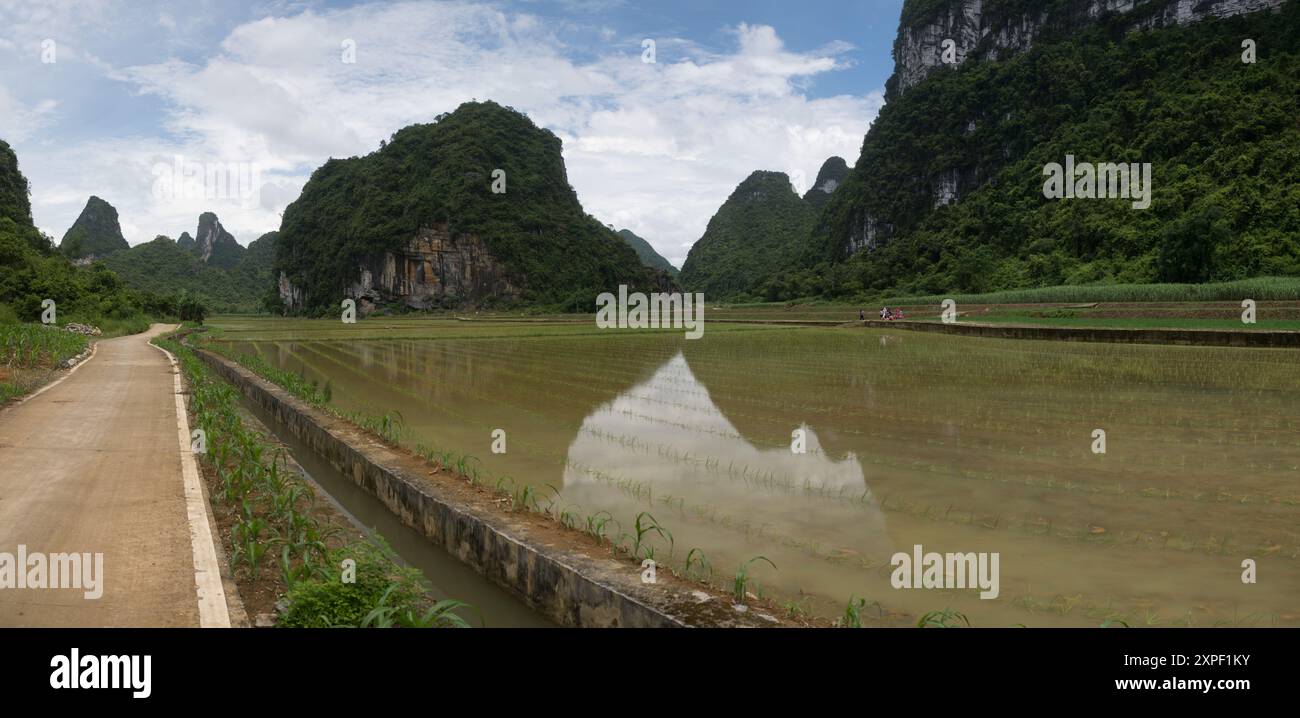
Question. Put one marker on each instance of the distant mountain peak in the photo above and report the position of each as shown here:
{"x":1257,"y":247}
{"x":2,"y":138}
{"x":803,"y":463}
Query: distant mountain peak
{"x":649,"y":257}
{"x":472,"y":209}
{"x":96,"y":233}
{"x":829,"y":177}
{"x":832,"y":173}
{"x":759,"y":231}
{"x":762,"y":185}
{"x":14,"y":202}
{"x":213,"y":244}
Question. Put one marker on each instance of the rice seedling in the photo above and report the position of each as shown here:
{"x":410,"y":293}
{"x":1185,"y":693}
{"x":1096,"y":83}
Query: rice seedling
{"x":389,"y":426}
{"x":292,"y":382}
{"x":977,"y":436}
{"x":1263,"y":288}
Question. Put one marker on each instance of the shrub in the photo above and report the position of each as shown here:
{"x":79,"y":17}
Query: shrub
{"x":383,"y":594}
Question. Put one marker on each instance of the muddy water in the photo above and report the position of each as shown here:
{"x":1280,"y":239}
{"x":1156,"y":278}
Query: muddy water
{"x":490,"y":606}
{"x":952,"y":443}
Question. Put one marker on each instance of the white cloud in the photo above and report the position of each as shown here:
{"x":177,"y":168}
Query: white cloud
{"x":652,"y":147}
{"x":19,"y":121}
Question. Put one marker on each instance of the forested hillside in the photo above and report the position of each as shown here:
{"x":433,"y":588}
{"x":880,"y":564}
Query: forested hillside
{"x":649,"y":257}
{"x":32,"y":270}
{"x":948,"y":192}
{"x":534,"y":231}
{"x":758,"y":232}
{"x":168,"y":268}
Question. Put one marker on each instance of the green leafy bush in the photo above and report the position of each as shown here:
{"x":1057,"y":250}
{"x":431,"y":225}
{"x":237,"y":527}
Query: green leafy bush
{"x":383,"y":595}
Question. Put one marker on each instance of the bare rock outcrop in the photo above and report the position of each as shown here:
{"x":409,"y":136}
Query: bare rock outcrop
{"x":978,"y":30}
{"x":436,"y":269}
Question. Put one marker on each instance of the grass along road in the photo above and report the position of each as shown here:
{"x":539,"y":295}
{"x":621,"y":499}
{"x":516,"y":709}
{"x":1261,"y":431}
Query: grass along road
{"x":94,"y":465}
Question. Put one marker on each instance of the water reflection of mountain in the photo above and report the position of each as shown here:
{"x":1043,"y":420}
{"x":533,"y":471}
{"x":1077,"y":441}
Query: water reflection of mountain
{"x":494,"y":380}
{"x":726,"y":367}
{"x":668,"y":436}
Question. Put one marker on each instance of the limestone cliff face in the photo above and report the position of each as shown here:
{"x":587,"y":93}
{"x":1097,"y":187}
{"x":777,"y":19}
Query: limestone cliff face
{"x":214,"y":245}
{"x":290,"y":296}
{"x":869,"y":235}
{"x":985,"y":30}
{"x":982,"y":29}
{"x":436,"y":269}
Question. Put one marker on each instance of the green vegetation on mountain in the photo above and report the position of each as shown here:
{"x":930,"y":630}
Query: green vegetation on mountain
{"x":647,"y":254}
{"x":214,"y":245}
{"x":14,"y":203}
{"x":358,"y":208}
{"x":96,"y":233}
{"x":757,"y":234}
{"x":1221,"y":137}
{"x":257,"y":261}
{"x":32,"y":271}
{"x":829,"y":178}
{"x":165,"y":267}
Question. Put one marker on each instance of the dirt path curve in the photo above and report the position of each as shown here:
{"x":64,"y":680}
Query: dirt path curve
{"x":94,"y":465}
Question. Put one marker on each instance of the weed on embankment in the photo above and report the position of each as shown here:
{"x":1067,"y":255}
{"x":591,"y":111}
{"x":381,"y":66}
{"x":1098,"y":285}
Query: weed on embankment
{"x":327,"y":581}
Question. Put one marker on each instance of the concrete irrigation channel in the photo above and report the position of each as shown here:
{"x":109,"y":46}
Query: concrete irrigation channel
{"x":491,"y":606}
{"x":565,"y":576}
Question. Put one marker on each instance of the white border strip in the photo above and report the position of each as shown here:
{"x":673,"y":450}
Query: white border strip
{"x":213,"y":612}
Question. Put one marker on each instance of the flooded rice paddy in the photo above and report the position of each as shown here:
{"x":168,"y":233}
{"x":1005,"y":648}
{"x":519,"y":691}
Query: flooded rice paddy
{"x":956,"y":444}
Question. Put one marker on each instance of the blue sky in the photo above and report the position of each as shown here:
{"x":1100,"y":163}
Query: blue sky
{"x":109,"y":98}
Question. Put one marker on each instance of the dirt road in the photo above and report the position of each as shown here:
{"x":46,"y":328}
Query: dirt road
{"x":94,"y":465}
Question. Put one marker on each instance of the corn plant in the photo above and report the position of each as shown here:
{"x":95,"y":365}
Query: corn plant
{"x":852,"y":617}
{"x":249,"y":546}
{"x":597,"y":522}
{"x":646,"y":524}
{"x":742,"y":578}
{"x":522,"y":498}
{"x":946,"y":618}
{"x":697,"y":565}
{"x":439,"y":615}
{"x":797,"y":609}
